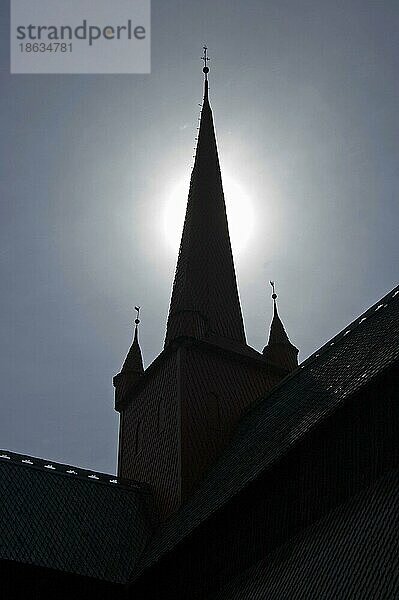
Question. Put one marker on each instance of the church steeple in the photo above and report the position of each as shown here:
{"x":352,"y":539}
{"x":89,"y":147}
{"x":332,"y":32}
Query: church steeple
{"x":177,"y":416}
{"x":205,"y":302}
{"x":279,"y":349}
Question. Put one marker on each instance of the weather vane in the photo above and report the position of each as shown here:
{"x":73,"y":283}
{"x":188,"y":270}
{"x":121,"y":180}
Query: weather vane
{"x":137,"y":309}
{"x":206,"y":59}
{"x":274,"y":295}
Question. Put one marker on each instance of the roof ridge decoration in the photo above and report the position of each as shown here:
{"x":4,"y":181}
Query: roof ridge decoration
{"x":205,"y":299}
{"x":382,"y":303}
{"x":73,"y":472}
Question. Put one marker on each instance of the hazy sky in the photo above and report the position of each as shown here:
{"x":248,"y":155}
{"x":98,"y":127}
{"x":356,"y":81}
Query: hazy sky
{"x":305,"y":97}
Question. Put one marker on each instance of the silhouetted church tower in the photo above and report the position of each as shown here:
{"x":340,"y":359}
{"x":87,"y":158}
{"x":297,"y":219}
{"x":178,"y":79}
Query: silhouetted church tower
{"x":178,"y":414}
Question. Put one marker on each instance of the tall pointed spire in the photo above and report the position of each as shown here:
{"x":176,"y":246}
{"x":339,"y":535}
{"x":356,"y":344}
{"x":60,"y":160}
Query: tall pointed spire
{"x":205,"y":300}
{"x":279,"y":349}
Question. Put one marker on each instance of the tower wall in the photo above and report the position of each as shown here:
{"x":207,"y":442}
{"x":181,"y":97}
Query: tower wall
{"x":217,"y":388}
{"x":149,"y":448}
{"x":177,"y":422}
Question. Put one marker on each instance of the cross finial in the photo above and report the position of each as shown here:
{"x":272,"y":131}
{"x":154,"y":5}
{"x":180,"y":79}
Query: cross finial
{"x":205,"y":58}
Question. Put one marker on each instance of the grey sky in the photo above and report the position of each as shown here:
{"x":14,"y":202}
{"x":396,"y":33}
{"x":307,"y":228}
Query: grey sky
{"x":305,"y":97}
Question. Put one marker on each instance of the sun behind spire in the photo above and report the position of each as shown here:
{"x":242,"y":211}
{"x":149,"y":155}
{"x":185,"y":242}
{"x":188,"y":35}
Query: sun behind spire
{"x":205,"y":302}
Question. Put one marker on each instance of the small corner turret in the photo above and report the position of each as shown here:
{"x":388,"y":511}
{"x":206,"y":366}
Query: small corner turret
{"x":279,"y":349}
{"x":132,"y":368}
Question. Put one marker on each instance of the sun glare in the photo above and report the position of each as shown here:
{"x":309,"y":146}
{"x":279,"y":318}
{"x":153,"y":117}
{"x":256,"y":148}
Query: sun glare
{"x":239,"y":214}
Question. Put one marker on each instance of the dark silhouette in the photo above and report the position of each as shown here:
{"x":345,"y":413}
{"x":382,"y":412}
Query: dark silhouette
{"x":240,"y":474}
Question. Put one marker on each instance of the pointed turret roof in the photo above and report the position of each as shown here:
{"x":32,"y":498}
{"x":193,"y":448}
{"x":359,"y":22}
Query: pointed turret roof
{"x":279,"y":348}
{"x":205,"y":300}
{"x":132,"y":369}
{"x":134,"y":360}
{"x":277,"y":334}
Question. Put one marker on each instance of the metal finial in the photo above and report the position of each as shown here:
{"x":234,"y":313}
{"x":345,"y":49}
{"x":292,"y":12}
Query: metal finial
{"x":137,"y":309}
{"x":274,"y":295}
{"x":206,"y":59}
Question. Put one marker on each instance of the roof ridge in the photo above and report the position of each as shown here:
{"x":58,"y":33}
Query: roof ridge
{"x":382,"y":303}
{"x":50,"y":466}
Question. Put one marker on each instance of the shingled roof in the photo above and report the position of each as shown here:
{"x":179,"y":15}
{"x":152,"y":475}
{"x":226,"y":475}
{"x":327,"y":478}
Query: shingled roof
{"x":69,"y":519}
{"x":339,"y":549}
{"x":272,"y":427}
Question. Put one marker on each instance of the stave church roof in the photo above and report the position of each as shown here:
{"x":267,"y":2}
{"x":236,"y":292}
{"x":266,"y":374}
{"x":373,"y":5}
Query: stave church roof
{"x":69,"y":519}
{"x":272,"y":427}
